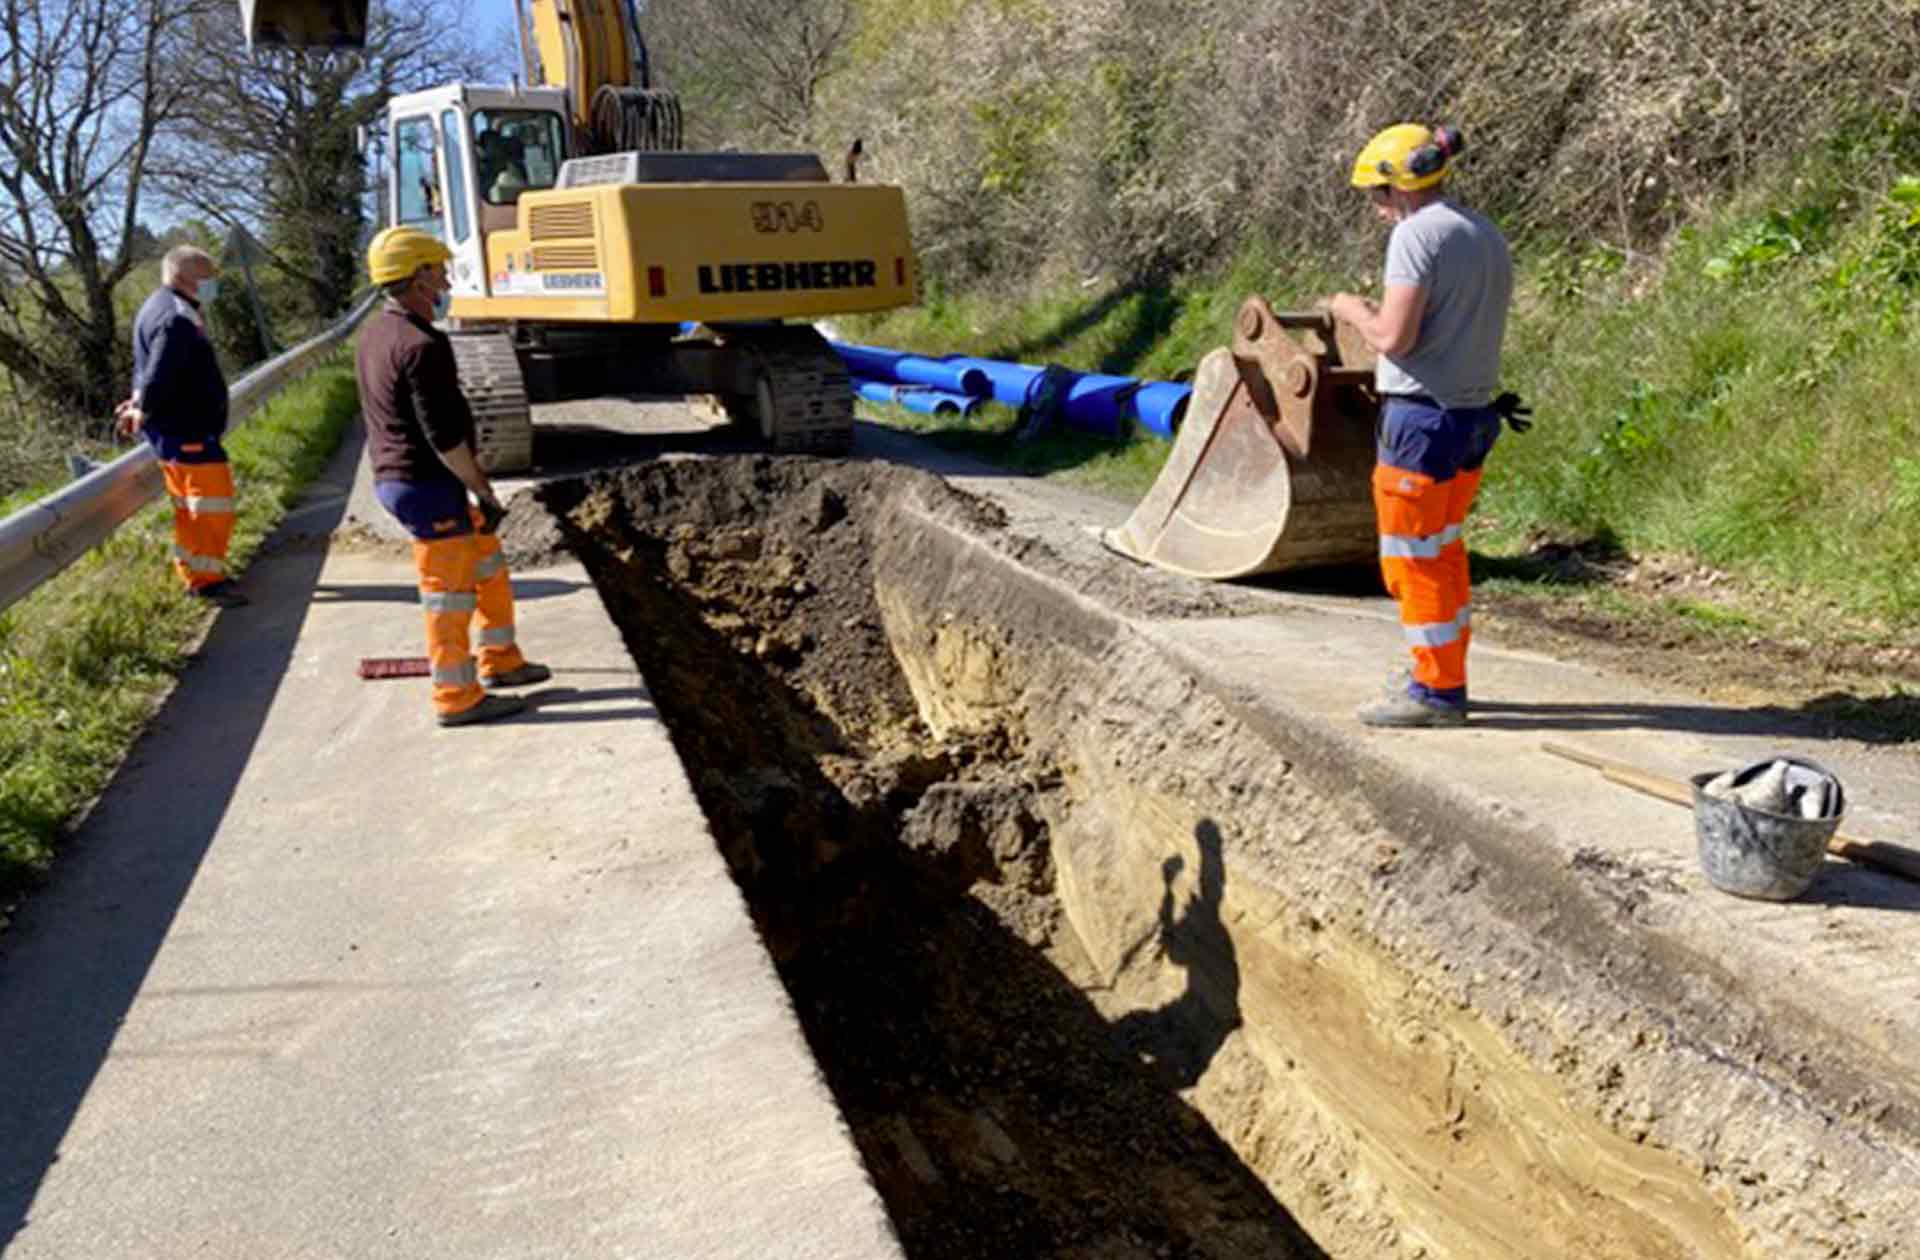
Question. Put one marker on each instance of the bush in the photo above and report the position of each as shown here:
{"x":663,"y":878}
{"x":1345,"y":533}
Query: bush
{"x":1129,"y":137}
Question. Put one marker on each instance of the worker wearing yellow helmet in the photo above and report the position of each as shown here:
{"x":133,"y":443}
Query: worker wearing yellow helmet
{"x":420,"y":443}
{"x":1437,"y":330}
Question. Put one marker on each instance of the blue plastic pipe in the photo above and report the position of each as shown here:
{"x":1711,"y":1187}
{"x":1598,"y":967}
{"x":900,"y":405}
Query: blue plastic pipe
{"x":877,"y":364}
{"x":918,"y":398}
{"x":1160,"y":406}
{"x":1009,"y":383}
{"x":935,"y":402}
{"x":875,"y":391}
{"x":1097,"y":403}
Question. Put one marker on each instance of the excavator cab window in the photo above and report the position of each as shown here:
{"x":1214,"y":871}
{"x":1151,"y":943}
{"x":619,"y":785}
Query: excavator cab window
{"x":456,"y":181}
{"x":517,"y":150}
{"x":417,"y":198}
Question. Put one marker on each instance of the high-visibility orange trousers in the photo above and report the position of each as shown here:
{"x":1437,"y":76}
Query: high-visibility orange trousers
{"x":460,"y":576}
{"x":1429,"y":580}
{"x":202,"y":520}
{"x":1429,"y":470}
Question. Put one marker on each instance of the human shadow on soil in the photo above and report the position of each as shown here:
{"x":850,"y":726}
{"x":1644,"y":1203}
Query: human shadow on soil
{"x":996,"y":1110}
{"x":993,"y":1106}
{"x":1180,"y":1038}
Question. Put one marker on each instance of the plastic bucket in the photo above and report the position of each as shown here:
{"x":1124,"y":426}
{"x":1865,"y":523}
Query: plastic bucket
{"x":1754,"y":853}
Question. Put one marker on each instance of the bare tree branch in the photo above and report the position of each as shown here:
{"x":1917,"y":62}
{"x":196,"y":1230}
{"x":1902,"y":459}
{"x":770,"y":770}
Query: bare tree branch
{"x":79,"y":108}
{"x":268,"y":143}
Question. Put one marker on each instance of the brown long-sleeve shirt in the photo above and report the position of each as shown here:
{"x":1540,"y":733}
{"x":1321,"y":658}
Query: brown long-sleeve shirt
{"x":410,"y":397}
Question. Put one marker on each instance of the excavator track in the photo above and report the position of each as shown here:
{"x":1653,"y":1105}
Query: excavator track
{"x":490,"y":377}
{"x":803,"y":398}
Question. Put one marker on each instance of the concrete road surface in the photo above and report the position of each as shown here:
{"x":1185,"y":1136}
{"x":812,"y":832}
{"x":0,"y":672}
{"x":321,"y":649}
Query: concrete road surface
{"x":319,"y":979}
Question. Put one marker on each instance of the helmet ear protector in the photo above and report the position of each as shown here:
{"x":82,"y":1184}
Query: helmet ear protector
{"x":1430,"y":158}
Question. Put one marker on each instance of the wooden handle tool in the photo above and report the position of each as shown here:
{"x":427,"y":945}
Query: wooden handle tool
{"x":1892,"y":858}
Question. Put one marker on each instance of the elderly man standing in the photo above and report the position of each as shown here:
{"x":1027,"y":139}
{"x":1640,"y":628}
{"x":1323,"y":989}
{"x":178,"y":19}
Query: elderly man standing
{"x":1437,"y":329}
{"x":420,"y":441}
{"x":179,"y":402}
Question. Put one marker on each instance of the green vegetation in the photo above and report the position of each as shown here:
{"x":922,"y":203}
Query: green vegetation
{"x":1118,"y":469}
{"x":85,"y":659}
{"x":1740,"y":403}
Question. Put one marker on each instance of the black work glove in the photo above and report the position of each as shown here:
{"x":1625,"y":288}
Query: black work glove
{"x":492,"y":512}
{"x":1509,"y":408}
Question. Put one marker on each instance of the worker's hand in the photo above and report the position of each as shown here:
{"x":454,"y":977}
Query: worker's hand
{"x":128,"y":419}
{"x":492,"y":512}
{"x":1348,"y":308}
{"x":1516,"y":413}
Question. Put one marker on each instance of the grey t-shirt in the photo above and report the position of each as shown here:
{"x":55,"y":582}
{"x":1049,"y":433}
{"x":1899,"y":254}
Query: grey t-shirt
{"x":1461,"y":260}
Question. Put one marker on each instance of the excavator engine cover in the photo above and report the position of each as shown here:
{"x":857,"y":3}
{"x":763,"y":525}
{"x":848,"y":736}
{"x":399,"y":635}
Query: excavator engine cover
{"x":305,"y":23}
{"x":1273,"y":466}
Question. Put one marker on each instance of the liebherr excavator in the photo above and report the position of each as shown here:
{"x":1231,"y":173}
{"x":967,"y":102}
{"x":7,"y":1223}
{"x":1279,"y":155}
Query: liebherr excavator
{"x":592,"y":256}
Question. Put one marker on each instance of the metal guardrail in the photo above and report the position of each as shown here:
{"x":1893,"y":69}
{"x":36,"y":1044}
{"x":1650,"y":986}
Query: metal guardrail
{"x":45,"y":537}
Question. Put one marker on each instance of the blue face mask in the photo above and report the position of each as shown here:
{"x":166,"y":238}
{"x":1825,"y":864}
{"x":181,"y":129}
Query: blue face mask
{"x":442,"y":304}
{"x":209,"y":289}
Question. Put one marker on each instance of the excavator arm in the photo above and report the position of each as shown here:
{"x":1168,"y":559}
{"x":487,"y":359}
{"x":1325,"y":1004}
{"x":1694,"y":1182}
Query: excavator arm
{"x":594,"y":50}
{"x":591,"y":48}
{"x":583,"y":46}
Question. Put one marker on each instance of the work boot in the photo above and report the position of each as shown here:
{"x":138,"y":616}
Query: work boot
{"x":525,"y":676}
{"x":489,"y":708}
{"x":226,"y":593}
{"x":1399,"y":678}
{"x":1406,"y":710}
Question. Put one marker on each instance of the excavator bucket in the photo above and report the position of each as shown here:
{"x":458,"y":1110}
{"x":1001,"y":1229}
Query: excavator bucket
{"x":305,"y":23}
{"x":1272,"y":469}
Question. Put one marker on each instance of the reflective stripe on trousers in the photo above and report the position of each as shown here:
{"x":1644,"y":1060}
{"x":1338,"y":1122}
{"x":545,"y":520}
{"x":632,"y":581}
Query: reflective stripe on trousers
{"x":202,"y":520}
{"x":451,"y":593}
{"x":1424,"y":484}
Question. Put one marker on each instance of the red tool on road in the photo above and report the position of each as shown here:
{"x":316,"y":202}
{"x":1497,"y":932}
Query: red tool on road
{"x":394,"y":667}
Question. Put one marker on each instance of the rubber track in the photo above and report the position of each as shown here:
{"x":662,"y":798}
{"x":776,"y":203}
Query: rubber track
{"x":812,"y":393}
{"x":497,"y":392}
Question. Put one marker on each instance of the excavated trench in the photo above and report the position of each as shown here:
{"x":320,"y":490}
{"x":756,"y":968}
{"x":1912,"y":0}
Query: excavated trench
{"x":1040,"y":905}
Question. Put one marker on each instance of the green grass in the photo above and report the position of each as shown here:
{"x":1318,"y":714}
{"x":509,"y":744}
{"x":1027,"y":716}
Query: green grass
{"x":85,"y":659}
{"x":1152,"y":331}
{"x":1121,"y":470}
{"x":1742,"y":401}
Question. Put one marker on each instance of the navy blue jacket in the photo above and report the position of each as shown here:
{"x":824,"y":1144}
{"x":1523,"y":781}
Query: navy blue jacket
{"x":175,"y":374}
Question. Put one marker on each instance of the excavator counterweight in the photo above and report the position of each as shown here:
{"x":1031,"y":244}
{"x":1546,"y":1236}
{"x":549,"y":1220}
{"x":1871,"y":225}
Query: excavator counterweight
{"x":324,"y":24}
{"x":1273,"y":466}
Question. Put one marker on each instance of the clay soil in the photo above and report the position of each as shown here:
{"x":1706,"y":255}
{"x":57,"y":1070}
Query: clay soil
{"x":902,"y":884}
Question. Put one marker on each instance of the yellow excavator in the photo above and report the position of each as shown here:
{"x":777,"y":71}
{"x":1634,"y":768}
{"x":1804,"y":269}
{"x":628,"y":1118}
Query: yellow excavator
{"x":592,"y":255}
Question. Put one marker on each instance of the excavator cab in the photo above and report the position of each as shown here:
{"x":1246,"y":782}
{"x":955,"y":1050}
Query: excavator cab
{"x":321,"y":24}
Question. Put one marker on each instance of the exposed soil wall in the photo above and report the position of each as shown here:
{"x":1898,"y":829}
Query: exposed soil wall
{"x":1101,"y":961}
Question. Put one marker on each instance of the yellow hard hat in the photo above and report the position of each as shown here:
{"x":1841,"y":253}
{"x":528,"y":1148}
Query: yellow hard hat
{"x":1407,"y":156}
{"x":398,"y":252}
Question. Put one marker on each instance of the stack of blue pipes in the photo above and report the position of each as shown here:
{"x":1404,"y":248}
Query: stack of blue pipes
{"x":955,"y":385}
